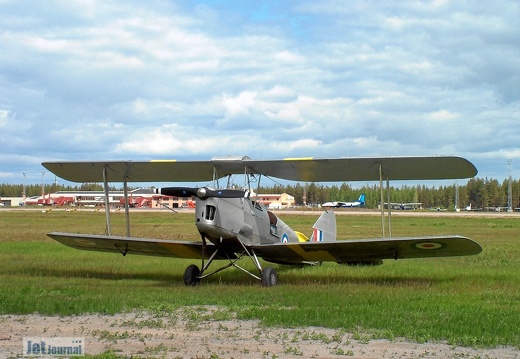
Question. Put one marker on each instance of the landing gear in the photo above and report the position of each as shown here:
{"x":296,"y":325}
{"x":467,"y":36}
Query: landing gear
{"x":269,"y":277}
{"x":191,"y":275}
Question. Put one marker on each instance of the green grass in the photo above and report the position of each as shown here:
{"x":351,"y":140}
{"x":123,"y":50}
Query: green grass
{"x":471,"y":301}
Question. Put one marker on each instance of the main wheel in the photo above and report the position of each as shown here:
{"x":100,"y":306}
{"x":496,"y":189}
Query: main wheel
{"x":191,"y":275}
{"x":269,"y":277}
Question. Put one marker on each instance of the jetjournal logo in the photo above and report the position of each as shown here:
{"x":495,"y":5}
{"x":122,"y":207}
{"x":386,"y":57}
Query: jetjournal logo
{"x":53,"y":347}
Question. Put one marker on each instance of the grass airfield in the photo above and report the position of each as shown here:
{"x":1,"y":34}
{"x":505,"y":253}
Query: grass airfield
{"x":470,"y":301}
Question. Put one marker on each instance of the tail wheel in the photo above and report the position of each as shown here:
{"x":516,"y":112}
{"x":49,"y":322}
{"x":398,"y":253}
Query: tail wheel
{"x":269,"y":277}
{"x":191,"y":275}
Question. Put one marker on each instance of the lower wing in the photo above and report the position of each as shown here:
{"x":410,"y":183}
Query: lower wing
{"x":333,"y":251}
{"x":132,"y":245}
{"x":345,"y":251}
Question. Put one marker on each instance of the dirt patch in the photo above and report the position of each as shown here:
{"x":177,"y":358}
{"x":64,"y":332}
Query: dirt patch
{"x":190,"y":334}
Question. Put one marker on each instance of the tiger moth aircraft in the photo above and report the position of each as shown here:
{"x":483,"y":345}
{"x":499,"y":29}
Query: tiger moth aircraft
{"x":233,"y":224}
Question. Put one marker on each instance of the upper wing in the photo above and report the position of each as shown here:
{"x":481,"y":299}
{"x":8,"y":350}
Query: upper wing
{"x":367,"y":168}
{"x":295,"y":169}
{"x":121,"y":171}
{"x":131,"y":245}
{"x":368,"y":249}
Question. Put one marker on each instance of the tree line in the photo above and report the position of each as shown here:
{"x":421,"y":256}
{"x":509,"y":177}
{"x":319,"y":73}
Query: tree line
{"x":32,"y":190}
{"x":479,"y":192}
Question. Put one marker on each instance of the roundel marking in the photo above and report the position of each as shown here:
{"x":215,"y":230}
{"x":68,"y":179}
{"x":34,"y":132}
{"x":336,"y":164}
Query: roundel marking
{"x":285,"y":238}
{"x":85,"y":242}
{"x":429,"y":245}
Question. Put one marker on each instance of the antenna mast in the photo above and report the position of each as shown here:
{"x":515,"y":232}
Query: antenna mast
{"x":457,"y":196}
{"x":509,"y":187}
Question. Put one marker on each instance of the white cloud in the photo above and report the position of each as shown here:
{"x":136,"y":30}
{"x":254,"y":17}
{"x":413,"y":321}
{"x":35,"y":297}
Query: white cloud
{"x":4,"y":117}
{"x":168,"y":144}
{"x":125,"y":79}
{"x":442,"y":115}
{"x":239,"y":105}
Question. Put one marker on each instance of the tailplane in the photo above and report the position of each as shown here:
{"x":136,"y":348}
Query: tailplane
{"x":362,"y":199}
{"x":324,"y":230}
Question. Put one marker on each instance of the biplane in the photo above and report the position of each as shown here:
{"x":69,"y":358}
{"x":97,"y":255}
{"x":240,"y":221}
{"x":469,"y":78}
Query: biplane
{"x":233,"y":225}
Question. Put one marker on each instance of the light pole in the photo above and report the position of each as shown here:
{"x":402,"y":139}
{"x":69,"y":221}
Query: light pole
{"x":24,"y":193}
{"x":509,"y":187}
{"x":43,"y":185}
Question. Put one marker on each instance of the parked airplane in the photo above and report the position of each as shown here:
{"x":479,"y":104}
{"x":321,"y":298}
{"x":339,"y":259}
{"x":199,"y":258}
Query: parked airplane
{"x":232,"y":224}
{"x":470,"y":208}
{"x":404,"y":205}
{"x":497,"y":209}
{"x":359,"y":203}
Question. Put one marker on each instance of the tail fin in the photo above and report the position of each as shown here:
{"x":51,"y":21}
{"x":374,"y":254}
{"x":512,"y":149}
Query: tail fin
{"x":362,"y":199}
{"x":325,"y":228}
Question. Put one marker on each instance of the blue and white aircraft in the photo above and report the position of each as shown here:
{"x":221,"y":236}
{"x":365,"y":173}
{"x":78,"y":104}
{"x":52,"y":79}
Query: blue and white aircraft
{"x":359,"y":203}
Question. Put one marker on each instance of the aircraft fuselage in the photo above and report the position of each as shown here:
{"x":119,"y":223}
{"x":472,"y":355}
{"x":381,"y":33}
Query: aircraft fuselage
{"x":226,"y":219}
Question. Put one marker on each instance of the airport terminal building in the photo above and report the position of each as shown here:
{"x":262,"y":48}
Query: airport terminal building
{"x":138,"y":198}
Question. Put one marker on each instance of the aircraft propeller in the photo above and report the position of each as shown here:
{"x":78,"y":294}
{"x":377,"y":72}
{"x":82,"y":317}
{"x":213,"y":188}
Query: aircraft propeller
{"x":202,"y":192}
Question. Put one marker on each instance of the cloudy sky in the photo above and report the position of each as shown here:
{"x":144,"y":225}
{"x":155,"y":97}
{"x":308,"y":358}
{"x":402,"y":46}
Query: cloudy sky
{"x":139,"y":80}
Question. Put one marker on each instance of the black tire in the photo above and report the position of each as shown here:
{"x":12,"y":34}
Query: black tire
{"x":269,"y":277}
{"x":191,"y":275}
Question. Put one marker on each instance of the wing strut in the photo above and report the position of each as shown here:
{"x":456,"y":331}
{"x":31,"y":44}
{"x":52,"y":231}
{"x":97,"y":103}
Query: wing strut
{"x":383,"y":203}
{"x":127,"y":207}
{"x":108,"y":229}
{"x":389,"y":208}
{"x":107,"y":206}
{"x":381,"y":199}
{"x":215,"y":177}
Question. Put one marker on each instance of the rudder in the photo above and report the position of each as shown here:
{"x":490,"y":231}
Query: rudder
{"x":324,"y":230}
